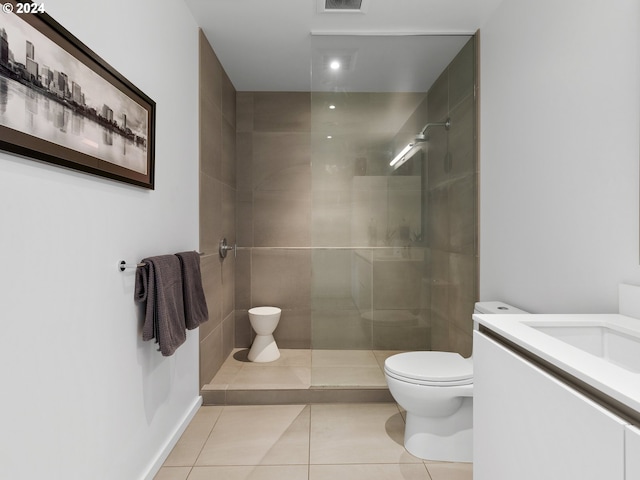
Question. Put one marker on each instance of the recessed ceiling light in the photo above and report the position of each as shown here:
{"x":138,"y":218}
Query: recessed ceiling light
{"x":335,"y":59}
{"x":329,"y":137}
{"x":332,"y":107}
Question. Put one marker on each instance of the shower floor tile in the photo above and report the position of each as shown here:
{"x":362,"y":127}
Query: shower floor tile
{"x":343,"y":358}
{"x":291,"y":371}
{"x":301,"y":376}
{"x":275,"y":377}
{"x":303,"y":369}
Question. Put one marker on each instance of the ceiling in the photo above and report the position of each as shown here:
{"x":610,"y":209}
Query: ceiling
{"x":271,"y":45}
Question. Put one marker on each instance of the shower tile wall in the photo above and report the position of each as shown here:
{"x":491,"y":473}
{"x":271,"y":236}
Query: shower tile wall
{"x":452,"y":210}
{"x":274,"y":212}
{"x":217,"y":208}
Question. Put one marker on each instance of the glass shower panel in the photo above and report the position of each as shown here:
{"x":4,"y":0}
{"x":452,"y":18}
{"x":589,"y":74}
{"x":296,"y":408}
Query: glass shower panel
{"x":368,"y":255}
{"x":341,"y":290}
{"x":372,"y":271}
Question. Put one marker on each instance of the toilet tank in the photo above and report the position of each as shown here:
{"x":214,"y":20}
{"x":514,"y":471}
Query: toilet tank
{"x":496,"y":308}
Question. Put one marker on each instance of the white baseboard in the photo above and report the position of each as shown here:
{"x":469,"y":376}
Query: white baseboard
{"x":154,"y":466}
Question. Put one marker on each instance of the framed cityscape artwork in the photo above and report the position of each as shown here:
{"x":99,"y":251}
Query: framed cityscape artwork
{"x":61,"y":103}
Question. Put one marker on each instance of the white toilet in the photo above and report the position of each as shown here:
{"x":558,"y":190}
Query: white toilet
{"x":436,"y":390}
{"x":264,"y":321}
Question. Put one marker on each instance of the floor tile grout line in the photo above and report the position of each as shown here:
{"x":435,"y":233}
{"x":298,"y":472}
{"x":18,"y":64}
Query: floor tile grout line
{"x":307,"y":463}
{"x":304,"y":407}
{"x":427,"y":470}
{"x":222,"y":407}
{"x":309,"y":435}
{"x":227,"y":465}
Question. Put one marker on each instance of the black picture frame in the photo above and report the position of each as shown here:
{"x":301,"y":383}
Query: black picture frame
{"x":79,"y":112}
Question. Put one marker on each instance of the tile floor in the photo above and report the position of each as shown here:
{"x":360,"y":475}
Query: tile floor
{"x":301,"y":442}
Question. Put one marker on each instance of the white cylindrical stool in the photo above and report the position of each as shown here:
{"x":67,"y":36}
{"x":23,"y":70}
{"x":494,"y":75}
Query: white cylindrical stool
{"x":264,"y":321}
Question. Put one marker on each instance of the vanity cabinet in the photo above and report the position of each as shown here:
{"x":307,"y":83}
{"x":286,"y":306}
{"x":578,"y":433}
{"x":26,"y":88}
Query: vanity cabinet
{"x":632,"y":452}
{"x":528,"y":425}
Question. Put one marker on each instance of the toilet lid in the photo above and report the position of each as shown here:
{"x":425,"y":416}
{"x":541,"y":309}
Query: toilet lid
{"x":431,"y":367}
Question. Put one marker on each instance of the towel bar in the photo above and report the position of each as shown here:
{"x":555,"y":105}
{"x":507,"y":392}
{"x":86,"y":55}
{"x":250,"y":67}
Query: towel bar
{"x":122,"y":266}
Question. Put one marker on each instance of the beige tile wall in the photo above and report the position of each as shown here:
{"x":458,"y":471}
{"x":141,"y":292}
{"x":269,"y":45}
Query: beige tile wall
{"x":217,"y":208}
{"x":274,"y":213}
{"x":452,"y":196}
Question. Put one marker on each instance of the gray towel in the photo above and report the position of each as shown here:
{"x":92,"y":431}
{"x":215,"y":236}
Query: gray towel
{"x":159,"y":284}
{"x":195,"y":304}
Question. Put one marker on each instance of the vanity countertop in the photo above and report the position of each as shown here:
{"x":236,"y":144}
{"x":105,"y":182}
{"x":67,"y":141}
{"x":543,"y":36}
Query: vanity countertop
{"x":617,"y":379}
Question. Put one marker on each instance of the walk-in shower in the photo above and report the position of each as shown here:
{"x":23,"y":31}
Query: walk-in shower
{"x":394,"y":258}
{"x":364,"y":259}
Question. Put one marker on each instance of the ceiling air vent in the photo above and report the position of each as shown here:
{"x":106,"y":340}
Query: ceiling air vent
{"x":342,"y":6}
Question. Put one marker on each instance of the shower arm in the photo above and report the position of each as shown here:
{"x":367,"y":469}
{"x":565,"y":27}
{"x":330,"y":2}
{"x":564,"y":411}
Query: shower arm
{"x":445,"y":124}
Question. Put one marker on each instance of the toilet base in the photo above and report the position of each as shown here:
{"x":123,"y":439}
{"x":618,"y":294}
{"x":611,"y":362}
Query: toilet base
{"x":446,"y":439}
{"x":264,"y":349}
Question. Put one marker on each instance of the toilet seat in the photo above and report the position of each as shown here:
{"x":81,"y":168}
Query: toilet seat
{"x":430,"y":368}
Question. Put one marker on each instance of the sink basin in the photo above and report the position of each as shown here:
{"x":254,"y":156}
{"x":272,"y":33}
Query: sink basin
{"x":601,"y":351}
{"x":612,"y":344}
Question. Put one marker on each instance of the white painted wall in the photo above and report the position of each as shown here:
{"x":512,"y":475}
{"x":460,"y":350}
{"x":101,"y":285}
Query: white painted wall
{"x":82,"y":396}
{"x":560,"y":110}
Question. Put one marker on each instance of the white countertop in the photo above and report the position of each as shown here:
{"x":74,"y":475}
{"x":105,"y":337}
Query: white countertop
{"x":615,"y":381}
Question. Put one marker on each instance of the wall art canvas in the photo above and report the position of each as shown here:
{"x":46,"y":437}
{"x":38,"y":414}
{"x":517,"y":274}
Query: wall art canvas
{"x":61,"y":103}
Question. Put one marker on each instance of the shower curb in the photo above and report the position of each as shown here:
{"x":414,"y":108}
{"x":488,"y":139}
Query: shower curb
{"x":296,"y":396}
